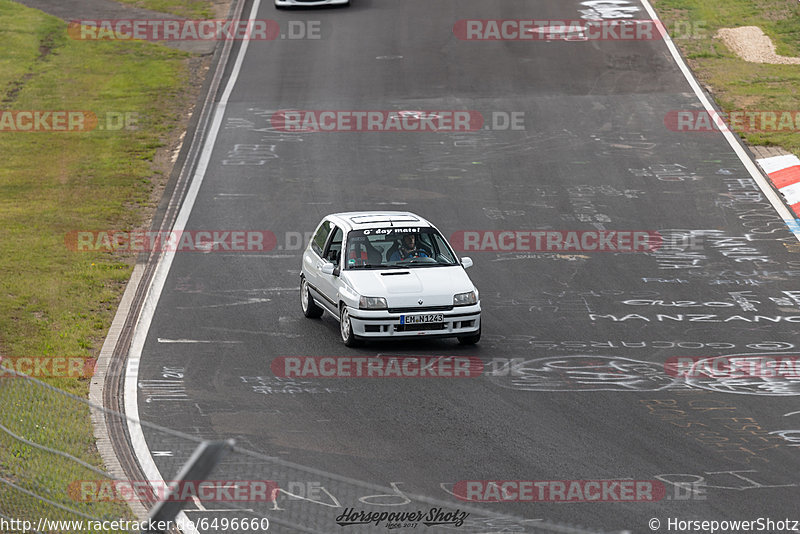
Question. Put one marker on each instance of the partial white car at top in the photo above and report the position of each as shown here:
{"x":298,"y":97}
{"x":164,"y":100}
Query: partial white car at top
{"x":310,"y":3}
{"x":388,"y":275}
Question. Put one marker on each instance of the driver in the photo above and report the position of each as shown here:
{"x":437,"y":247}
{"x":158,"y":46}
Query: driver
{"x":408,"y":249}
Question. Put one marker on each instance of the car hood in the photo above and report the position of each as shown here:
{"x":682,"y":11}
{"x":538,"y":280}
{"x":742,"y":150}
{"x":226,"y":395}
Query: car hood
{"x":405,"y":287}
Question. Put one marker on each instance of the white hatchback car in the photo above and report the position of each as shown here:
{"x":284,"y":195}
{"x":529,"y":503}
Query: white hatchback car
{"x":310,"y":3}
{"x":388,"y":275}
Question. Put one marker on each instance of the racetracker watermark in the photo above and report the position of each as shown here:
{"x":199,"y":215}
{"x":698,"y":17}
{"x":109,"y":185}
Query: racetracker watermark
{"x":381,"y":367}
{"x":558,"y":30}
{"x":556,"y":241}
{"x":170,"y":241}
{"x":47,"y":121}
{"x":190,"y":30}
{"x":559,"y":490}
{"x":182,"y":491}
{"x":47,"y":366}
{"x":45,"y":524}
{"x":66,"y":121}
{"x":776,"y":120}
{"x":745,"y":366}
{"x":295,"y":121}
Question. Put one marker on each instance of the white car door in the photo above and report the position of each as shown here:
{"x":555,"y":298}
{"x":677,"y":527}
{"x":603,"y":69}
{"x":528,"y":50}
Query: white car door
{"x":312,"y":258}
{"x":328,"y":284}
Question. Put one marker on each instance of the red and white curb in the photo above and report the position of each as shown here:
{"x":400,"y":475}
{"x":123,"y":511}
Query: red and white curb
{"x":784,"y":173}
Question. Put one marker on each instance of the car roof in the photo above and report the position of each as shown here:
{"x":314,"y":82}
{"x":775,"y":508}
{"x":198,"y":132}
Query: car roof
{"x":355,"y":220}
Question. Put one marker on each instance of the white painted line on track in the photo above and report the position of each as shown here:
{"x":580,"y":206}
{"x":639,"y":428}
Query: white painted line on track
{"x":749,"y":164}
{"x":138,"y":442}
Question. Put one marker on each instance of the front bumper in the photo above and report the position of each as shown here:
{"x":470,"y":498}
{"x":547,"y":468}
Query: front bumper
{"x":460,"y":321}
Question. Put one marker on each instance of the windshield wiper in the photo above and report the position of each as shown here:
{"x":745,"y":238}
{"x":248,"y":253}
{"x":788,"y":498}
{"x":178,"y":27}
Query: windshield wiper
{"x":425,"y":264}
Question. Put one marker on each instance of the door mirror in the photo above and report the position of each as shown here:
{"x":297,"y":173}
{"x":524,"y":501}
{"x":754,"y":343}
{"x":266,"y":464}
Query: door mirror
{"x":328,"y":268}
{"x":466,"y":262}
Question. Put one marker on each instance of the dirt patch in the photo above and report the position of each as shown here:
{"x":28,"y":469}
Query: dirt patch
{"x":46,"y":46}
{"x":221,"y":8}
{"x":750,"y":44}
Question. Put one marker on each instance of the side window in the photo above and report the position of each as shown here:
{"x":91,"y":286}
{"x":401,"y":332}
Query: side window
{"x":334,"y":249}
{"x":425,"y":243}
{"x":320,"y":237}
{"x":442,"y":251}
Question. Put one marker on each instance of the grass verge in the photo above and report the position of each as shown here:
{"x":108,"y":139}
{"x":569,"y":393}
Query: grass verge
{"x":54,"y":301}
{"x":738,"y":85}
{"x":188,"y":9}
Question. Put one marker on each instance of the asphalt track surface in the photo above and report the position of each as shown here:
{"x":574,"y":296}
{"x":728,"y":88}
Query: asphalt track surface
{"x":592,"y":399}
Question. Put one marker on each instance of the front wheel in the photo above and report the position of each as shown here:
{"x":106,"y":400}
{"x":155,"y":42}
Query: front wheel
{"x":346,"y":328}
{"x":471,"y":339}
{"x":310,"y":308}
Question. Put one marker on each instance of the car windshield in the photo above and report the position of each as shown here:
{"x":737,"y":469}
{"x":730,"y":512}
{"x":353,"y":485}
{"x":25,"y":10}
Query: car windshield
{"x":386,"y":248}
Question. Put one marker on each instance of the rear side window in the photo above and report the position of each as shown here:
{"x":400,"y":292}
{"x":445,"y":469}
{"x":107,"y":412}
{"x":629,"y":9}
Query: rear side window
{"x":318,"y":243}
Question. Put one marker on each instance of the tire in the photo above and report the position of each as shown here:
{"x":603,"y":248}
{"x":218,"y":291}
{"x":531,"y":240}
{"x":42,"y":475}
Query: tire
{"x":346,"y":328}
{"x":471,"y":339}
{"x":307,"y":304}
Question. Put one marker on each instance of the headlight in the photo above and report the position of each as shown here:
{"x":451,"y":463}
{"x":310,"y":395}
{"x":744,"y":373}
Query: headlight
{"x":372,"y":303}
{"x":464,"y":299}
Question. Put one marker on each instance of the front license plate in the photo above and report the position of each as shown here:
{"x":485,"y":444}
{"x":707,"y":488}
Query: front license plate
{"x":417,"y":319}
